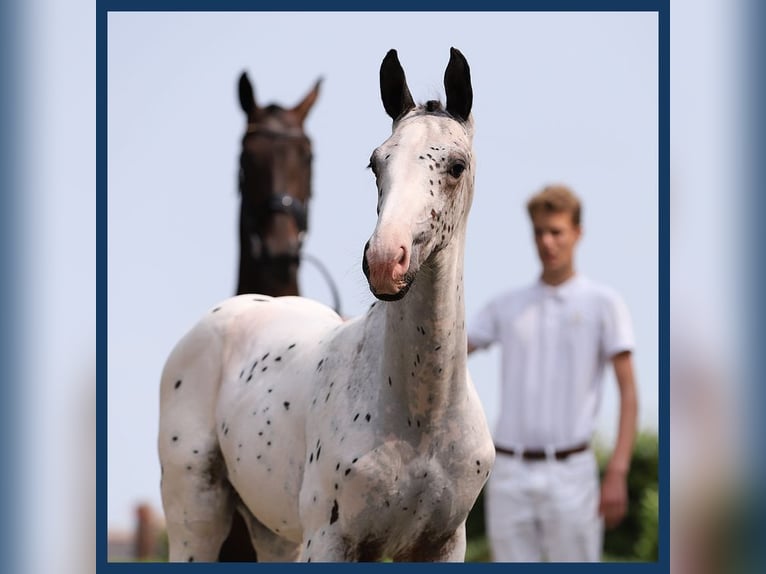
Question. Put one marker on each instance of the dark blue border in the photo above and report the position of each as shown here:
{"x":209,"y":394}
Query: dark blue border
{"x":101,"y":283}
{"x":753,"y":124}
{"x":378,"y":6}
{"x":664,"y":286}
{"x":659,"y":6}
{"x":10,"y":287}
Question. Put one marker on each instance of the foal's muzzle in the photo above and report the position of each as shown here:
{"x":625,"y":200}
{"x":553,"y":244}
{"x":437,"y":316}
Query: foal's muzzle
{"x":406,"y":280}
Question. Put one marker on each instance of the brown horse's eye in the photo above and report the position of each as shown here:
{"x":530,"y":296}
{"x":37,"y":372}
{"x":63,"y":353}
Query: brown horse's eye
{"x":456,"y":169}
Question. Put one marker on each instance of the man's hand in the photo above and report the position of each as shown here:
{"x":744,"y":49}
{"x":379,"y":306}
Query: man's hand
{"x":614,"y":497}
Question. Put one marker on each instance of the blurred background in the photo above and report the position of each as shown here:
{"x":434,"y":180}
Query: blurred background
{"x":49,"y":251}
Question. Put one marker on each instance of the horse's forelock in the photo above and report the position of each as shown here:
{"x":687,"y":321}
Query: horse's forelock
{"x":432,"y":108}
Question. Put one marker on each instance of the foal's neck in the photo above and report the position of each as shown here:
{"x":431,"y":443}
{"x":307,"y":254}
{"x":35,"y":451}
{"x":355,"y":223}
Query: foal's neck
{"x":425,"y":340}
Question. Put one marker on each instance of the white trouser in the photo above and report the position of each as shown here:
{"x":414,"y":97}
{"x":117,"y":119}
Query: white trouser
{"x":544,"y":510}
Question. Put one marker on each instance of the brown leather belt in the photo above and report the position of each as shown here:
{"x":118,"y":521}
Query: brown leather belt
{"x":541,"y":454}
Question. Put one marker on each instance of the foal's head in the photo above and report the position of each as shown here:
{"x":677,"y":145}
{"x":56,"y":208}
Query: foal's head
{"x":424,"y":174}
{"x":274,"y":182}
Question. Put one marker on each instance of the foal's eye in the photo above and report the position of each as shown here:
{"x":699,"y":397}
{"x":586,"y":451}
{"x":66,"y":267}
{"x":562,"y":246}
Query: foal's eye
{"x":457,"y":169}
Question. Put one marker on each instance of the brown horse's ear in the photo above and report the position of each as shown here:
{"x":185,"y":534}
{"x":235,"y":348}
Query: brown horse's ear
{"x":394,"y":92}
{"x":246,"y":96}
{"x":457,"y":85}
{"x":303,"y":108}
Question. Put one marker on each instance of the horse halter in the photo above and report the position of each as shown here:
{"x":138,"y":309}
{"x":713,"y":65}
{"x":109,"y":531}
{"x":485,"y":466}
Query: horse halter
{"x":277,"y":202}
{"x":287,"y":204}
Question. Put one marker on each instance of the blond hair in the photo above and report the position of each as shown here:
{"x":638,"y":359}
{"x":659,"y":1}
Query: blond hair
{"x":555,"y":198}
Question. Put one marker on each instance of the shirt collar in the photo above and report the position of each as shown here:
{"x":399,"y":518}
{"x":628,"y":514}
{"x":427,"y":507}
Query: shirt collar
{"x":561,"y":292}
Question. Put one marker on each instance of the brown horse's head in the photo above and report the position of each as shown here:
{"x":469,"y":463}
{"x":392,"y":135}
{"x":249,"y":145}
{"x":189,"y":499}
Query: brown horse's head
{"x":275,"y":185}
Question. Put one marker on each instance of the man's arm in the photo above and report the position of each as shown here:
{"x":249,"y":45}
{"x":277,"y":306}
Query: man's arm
{"x":614,"y":488}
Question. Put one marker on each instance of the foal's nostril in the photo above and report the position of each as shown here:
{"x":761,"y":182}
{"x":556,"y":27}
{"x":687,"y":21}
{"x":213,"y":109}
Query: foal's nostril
{"x":402,"y":262}
{"x":402,"y":256}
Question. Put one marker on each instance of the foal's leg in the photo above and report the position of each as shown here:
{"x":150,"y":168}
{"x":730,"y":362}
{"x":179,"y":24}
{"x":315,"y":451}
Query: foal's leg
{"x":269,"y":547}
{"x":454,"y":549}
{"x":198,"y":509}
{"x":196,"y":496}
{"x":445,"y":549}
{"x":327,"y":546}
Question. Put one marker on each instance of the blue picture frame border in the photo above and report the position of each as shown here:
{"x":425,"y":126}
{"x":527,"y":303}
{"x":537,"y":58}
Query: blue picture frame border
{"x":661,"y":7}
{"x":13,"y":327}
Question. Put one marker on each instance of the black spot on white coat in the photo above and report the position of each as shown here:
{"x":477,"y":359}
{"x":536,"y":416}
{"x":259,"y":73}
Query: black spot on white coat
{"x":334,"y":512}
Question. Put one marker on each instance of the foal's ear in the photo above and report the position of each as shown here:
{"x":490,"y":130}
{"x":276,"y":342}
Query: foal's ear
{"x":303,"y":108}
{"x":393,"y":87}
{"x":457,"y":85}
{"x":246,"y":97}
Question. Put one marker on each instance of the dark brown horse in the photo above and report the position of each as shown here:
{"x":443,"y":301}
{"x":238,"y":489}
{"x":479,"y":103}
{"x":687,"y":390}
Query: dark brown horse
{"x":275,"y":189}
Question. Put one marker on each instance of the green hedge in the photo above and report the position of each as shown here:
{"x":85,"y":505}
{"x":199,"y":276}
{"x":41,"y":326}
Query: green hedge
{"x":636,"y":536}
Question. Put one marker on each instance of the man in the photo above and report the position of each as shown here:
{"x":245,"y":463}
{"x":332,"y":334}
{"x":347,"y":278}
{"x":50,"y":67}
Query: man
{"x":543,"y":499}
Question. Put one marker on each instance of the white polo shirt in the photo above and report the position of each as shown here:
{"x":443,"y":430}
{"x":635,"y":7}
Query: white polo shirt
{"x":556,"y":342}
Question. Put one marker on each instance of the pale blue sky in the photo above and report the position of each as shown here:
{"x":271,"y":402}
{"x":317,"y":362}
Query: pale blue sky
{"x":557,"y":97}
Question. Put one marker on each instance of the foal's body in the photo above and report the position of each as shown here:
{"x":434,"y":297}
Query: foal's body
{"x":275,"y":189}
{"x":342,"y":440}
{"x":381,"y":458}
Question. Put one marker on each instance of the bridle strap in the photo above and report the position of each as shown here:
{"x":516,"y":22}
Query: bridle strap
{"x":260,"y":130}
{"x":283,"y":203}
{"x":328,"y":278}
{"x":279,"y":202}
